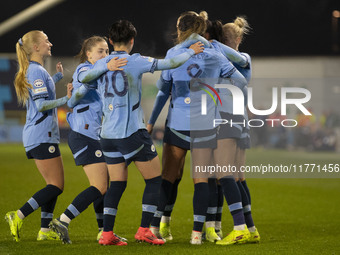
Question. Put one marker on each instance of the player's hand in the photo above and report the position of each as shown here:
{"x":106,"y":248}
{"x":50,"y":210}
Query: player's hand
{"x":59,"y":68}
{"x":69,"y":90}
{"x":149,"y":128}
{"x":197,"y":47}
{"x":115,"y":64}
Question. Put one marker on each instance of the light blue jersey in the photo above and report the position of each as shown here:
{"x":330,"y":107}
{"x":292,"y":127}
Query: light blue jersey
{"x":41,"y":119}
{"x":87,"y":112}
{"x":120,"y":91}
{"x":185,"y":108}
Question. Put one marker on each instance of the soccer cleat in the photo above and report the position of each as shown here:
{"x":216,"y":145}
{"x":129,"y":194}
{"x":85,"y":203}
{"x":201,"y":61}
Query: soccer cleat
{"x":219,"y":233}
{"x":120,"y":238}
{"x":155,"y":231}
{"x":123,"y":239}
{"x":164,"y":230}
{"x":196,"y":238}
{"x":15,"y":224}
{"x":47,"y":236}
{"x":99,"y":234}
{"x":235,"y":236}
{"x":211,"y":235}
{"x":145,"y":235}
{"x":57,"y":226}
{"x":254,"y":237}
{"x":109,"y":238}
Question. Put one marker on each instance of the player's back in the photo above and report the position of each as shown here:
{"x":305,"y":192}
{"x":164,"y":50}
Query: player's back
{"x":120,"y":92}
{"x":189,"y":82}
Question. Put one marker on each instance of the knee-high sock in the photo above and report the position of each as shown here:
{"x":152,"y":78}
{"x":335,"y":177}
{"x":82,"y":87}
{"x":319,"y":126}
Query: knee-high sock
{"x":82,"y":201}
{"x":165,"y":193}
{"x":98,"y":206}
{"x":150,"y":200}
{"x":47,"y":212}
{"x":111,"y":201}
{"x":40,"y":198}
{"x":201,"y":202}
{"x":233,"y":197}
{"x":246,"y":206}
{"x":172,"y":199}
{"x":220,"y":200}
{"x":212,"y":207}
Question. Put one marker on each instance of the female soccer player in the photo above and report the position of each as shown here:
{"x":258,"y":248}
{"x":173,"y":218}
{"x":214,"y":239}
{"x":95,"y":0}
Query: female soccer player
{"x":35,"y":88}
{"x":210,"y":65}
{"x":83,"y":139}
{"x":233,"y":36}
{"x":123,"y":135}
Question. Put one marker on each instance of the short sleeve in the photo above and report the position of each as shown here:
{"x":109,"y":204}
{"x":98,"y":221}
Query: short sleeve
{"x":38,"y":80}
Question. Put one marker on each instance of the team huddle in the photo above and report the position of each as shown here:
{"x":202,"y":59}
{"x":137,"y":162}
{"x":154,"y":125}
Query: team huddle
{"x":108,"y":131}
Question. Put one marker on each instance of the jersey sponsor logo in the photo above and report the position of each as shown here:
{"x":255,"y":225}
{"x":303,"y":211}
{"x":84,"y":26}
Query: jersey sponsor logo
{"x":187,"y":100}
{"x":153,"y":148}
{"x":51,"y":149}
{"x":39,"y":90}
{"x":85,"y":68}
{"x":38,"y":83}
{"x":98,"y":153}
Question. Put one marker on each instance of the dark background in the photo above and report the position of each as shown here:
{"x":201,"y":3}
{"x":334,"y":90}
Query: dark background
{"x":280,"y":27}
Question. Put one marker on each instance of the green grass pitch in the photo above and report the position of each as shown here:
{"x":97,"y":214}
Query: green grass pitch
{"x":293,"y":216}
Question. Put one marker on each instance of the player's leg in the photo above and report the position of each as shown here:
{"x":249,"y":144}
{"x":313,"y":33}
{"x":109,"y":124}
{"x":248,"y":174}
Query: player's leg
{"x":231,"y":192}
{"x":210,"y":222}
{"x":164,"y":227}
{"x":172,"y":159}
{"x":245,"y":195}
{"x":118,"y":180}
{"x":53,"y":173}
{"x":200,"y":157}
{"x":97,"y":176}
{"x":151,"y":172}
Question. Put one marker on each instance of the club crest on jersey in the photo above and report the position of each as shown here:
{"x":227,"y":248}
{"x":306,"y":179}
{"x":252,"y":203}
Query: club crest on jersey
{"x":110,"y":107}
{"x":153,"y":148}
{"x":38,"y":83}
{"x":187,"y":100}
{"x":51,"y":149}
{"x":98,"y":153}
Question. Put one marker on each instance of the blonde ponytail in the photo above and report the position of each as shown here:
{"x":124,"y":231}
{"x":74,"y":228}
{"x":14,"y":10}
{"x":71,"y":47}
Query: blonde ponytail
{"x":24,"y":49}
{"x":235,"y":29}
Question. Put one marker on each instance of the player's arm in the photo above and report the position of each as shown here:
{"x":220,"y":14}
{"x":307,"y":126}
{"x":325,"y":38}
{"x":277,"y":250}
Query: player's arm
{"x":162,"y":97}
{"x":78,"y":95}
{"x":233,"y":55}
{"x":193,"y":38}
{"x":44,"y":105}
{"x":101,"y":67}
{"x":230,"y":72}
{"x":178,"y":60}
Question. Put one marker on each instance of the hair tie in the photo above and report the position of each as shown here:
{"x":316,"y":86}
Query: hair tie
{"x":20,"y":42}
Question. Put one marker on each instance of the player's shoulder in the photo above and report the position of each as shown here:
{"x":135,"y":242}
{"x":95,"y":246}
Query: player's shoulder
{"x":36,"y":70}
{"x":83,"y":67}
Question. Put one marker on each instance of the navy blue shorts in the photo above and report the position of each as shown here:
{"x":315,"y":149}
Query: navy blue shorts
{"x":179,"y":139}
{"x":85,"y":150}
{"x":44,"y":151}
{"x":244,"y":142}
{"x":227,"y":130}
{"x":190,"y":139}
{"x":136,"y":147}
